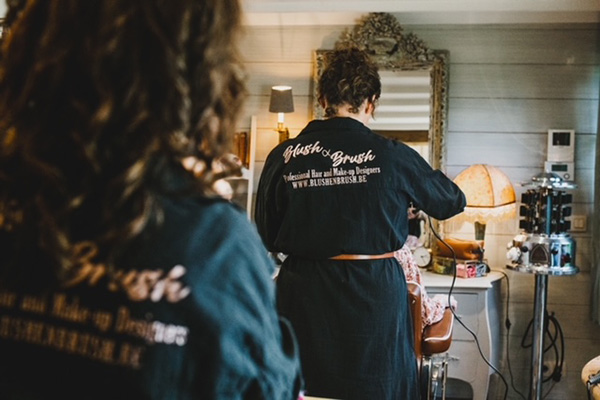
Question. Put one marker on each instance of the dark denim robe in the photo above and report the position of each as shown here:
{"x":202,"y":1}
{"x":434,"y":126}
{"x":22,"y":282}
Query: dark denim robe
{"x":192,"y":317}
{"x":338,"y":188}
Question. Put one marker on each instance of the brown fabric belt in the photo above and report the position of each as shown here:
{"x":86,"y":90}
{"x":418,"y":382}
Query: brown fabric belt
{"x":362,"y":256}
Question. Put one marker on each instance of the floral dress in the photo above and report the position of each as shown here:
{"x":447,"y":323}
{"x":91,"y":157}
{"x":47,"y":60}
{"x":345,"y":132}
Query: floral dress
{"x":433,"y":307}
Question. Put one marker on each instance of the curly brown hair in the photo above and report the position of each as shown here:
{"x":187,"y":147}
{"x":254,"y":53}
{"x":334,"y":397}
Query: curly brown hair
{"x":97,"y":100}
{"x":349,"y":77}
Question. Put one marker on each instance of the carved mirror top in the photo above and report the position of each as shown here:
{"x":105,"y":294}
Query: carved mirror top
{"x":381,"y":35}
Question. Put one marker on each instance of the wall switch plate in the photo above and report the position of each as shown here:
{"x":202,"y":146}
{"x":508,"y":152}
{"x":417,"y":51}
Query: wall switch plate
{"x":578,"y":223}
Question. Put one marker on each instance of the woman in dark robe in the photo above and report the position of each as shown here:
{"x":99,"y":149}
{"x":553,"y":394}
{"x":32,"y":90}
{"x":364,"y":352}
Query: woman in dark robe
{"x":334,"y":199}
{"x":124,"y":275}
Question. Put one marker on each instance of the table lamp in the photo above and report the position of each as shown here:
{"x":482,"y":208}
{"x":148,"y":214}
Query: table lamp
{"x":281,"y":102}
{"x":490,"y":196}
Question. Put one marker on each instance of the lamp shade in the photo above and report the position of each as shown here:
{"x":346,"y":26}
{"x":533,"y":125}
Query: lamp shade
{"x":490,"y":194}
{"x":282,"y":100}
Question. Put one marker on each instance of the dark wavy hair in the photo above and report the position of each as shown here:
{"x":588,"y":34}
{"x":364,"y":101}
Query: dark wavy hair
{"x":349,"y":77}
{"x":97,"y":100}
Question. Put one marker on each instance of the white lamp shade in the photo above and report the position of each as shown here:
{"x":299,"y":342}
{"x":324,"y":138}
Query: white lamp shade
{"x":490,"y":194}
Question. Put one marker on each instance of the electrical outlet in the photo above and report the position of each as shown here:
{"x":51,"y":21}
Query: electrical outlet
{"x":578,"y":223}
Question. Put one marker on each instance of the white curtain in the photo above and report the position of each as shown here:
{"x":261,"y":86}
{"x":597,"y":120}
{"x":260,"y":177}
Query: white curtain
{"x":596,"y":231}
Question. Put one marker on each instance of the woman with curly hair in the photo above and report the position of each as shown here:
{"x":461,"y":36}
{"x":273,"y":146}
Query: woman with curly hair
{"x":335,"y":200}
{"x":123,"y":275}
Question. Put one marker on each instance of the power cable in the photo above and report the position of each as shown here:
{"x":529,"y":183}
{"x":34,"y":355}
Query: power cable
{"x":556,"y":340}
{"x":508,"y":325}
{"x":456,"y":316}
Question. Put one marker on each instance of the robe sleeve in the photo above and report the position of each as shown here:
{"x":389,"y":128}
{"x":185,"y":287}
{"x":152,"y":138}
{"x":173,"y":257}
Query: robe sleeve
{"x":270,"y":201}
{"x":432,"y":191}
{"x":258,"y":354}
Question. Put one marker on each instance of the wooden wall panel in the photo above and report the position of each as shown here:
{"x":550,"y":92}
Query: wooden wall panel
{"x":522,"y":115}
{"x":263,"y":75}
{"x":510,"y":149}
{"x":524,"y":81}
{"x":294,"y":44}
{"x":525,"y":150}
{"x":514,"y":44}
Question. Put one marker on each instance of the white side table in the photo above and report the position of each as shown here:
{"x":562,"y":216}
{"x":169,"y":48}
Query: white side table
{"x":479,"y":307}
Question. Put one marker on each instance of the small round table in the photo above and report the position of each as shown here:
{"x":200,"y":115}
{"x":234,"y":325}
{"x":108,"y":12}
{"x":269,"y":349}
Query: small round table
{"x":591,"y":368}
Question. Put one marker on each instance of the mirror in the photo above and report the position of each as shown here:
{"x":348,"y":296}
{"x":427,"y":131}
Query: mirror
{"x":404,"y":62}
{"x":414,"y":78}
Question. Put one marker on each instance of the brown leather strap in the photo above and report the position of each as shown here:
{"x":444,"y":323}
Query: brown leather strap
{"x":362,"y":256}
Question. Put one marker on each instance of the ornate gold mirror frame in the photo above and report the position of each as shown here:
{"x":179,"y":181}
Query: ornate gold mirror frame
{"x":381,"y":35}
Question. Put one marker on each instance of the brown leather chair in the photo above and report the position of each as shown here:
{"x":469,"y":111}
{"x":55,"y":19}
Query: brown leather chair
{"x":430,"y":343}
